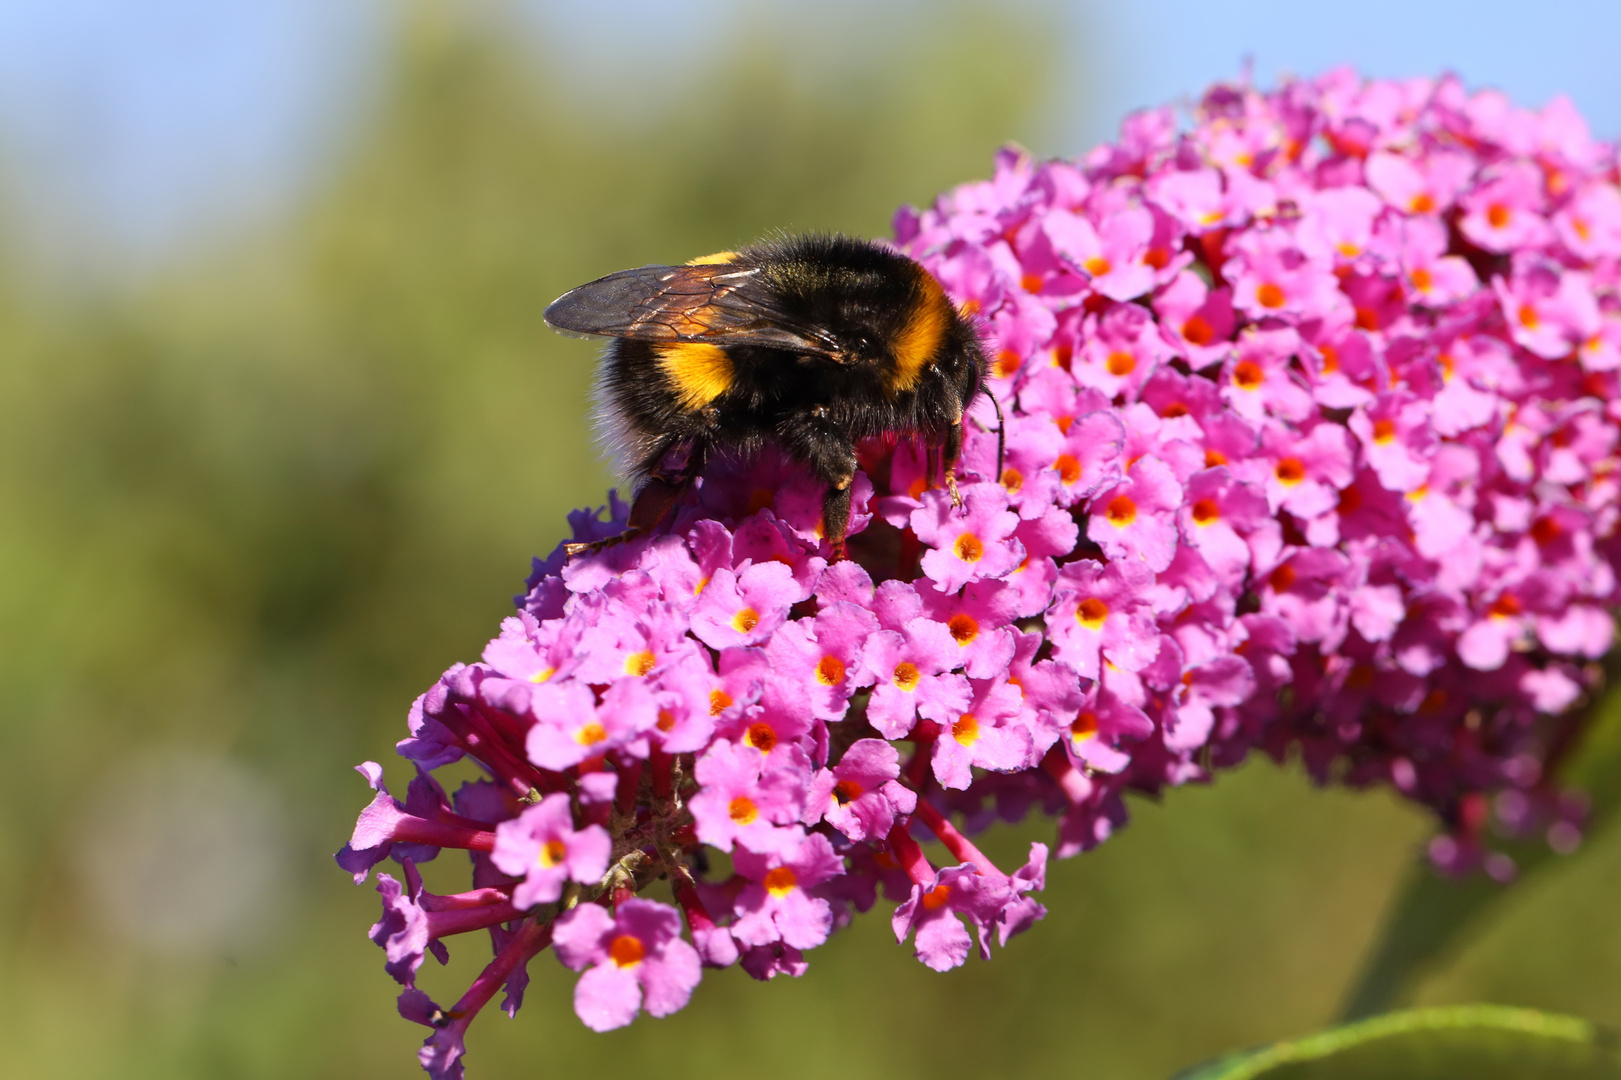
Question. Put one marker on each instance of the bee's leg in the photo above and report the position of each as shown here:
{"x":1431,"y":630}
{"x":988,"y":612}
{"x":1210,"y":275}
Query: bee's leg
{"x":948,"y":453}
{"x":654,"y":499}
{"x":814,"y":439}
{"x":933,"y":462}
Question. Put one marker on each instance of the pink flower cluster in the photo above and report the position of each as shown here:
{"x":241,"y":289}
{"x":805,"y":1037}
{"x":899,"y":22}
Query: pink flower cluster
{"x":1311,"y":442}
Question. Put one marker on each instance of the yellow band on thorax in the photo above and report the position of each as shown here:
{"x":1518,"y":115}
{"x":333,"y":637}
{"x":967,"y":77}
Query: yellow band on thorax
{"x":919,"y":339}
{"x":698,"y":373}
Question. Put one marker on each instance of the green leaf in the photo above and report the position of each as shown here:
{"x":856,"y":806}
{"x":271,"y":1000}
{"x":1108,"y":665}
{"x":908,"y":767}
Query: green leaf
{"x":1432,"y":915}
{"x":1461,"y":1042}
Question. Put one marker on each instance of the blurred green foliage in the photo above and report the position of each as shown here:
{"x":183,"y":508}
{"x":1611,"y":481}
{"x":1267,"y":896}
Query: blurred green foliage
{"x":1461,"y":1042}
{"x":254,"y":505}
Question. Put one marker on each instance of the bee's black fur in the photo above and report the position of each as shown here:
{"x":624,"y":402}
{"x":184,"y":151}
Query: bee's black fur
{"x":881,"y":351}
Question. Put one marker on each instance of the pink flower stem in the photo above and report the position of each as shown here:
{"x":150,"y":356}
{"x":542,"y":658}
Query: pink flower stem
{"x":910,"y":856}
{"x":630,"y":782}
{"x":1072,"y":781}
{"x":528,"y":940}
{"x":663,"y":774}
{"x":915,"y":775}
{"x":415,"y":830}
{"x":698,"y":917}
{"x":481,"y":740}
{"x":959,"y":845}
{"x":475,"y":898}
{"x":460,"y":921}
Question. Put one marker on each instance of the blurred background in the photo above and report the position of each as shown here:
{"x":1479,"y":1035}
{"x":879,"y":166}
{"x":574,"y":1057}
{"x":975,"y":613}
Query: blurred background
{"x":280,"y":427}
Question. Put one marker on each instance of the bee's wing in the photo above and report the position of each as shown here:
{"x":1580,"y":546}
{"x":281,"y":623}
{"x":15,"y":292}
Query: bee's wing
{"x":717,"y":302}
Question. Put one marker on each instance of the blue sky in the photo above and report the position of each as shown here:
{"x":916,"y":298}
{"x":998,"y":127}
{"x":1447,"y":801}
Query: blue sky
{"x":141,"y":127}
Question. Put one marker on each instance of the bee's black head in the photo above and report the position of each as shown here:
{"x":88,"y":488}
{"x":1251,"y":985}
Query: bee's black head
{"x":881,"y":308}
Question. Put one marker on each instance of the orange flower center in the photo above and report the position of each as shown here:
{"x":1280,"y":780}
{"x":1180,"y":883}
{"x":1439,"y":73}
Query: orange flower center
{"x":552,"y":852}
{"x":1422,"y":203}
{"x":742,"y":810}
{"x":1247,"y":374}
{"x":1498,"y":215}
{"x":780,"y":881}
{"x":1205,"y":511}
{"x":590,"y":733}
{"x":1505,"y":606}
{"x":1069,"y":470}
{"x":627,"y":950}
{"x":1122,"y":511}
{"x":1097,"y":266}
{"x":936,"y":897}
{"x":830,"y":671}
{"x":1007,"y":362}
{"x":1198,"y":331}
{"x":1290,"y":471}
{"x":1121,"y":363}
{"x":745,"y":620}
{"x":639,"y":663}
{"x":1091,"y":612}
{"x":762,"y":736}
{"x":965,"y":729}
{"x":1269,"y":296}
{"x":964,"y":627}
{"x":1084,"y":727}
{"x":1012,"y":479}
{"x":969,"y":548}
{"x":907,"y":675}
{"x":1283,"y":578}
{"x":719,"y":701}
{"x":1384,"y":430}
{"x":1421,"y":279}
{"x":846,"y":791}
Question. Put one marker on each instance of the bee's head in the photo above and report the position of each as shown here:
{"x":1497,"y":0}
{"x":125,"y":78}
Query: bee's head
{"x":883,"y":310}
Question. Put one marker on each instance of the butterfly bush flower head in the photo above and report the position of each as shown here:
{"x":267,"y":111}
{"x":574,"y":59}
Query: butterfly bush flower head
{"x":1310,"y":448}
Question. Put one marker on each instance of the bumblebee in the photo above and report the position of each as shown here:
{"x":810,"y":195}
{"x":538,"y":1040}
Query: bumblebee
{"x":810,"y":342}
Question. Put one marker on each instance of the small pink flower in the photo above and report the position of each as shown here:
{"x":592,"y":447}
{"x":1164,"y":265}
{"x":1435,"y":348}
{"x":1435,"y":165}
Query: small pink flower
{"x":1112,"y":254}
{"x":861,"y":795}
{"x":542,"y":846}
{"x":1504,"y":213}
{"x":1135,"y":520}
{"x":971,"y":543}
{"x":636,"y":959}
